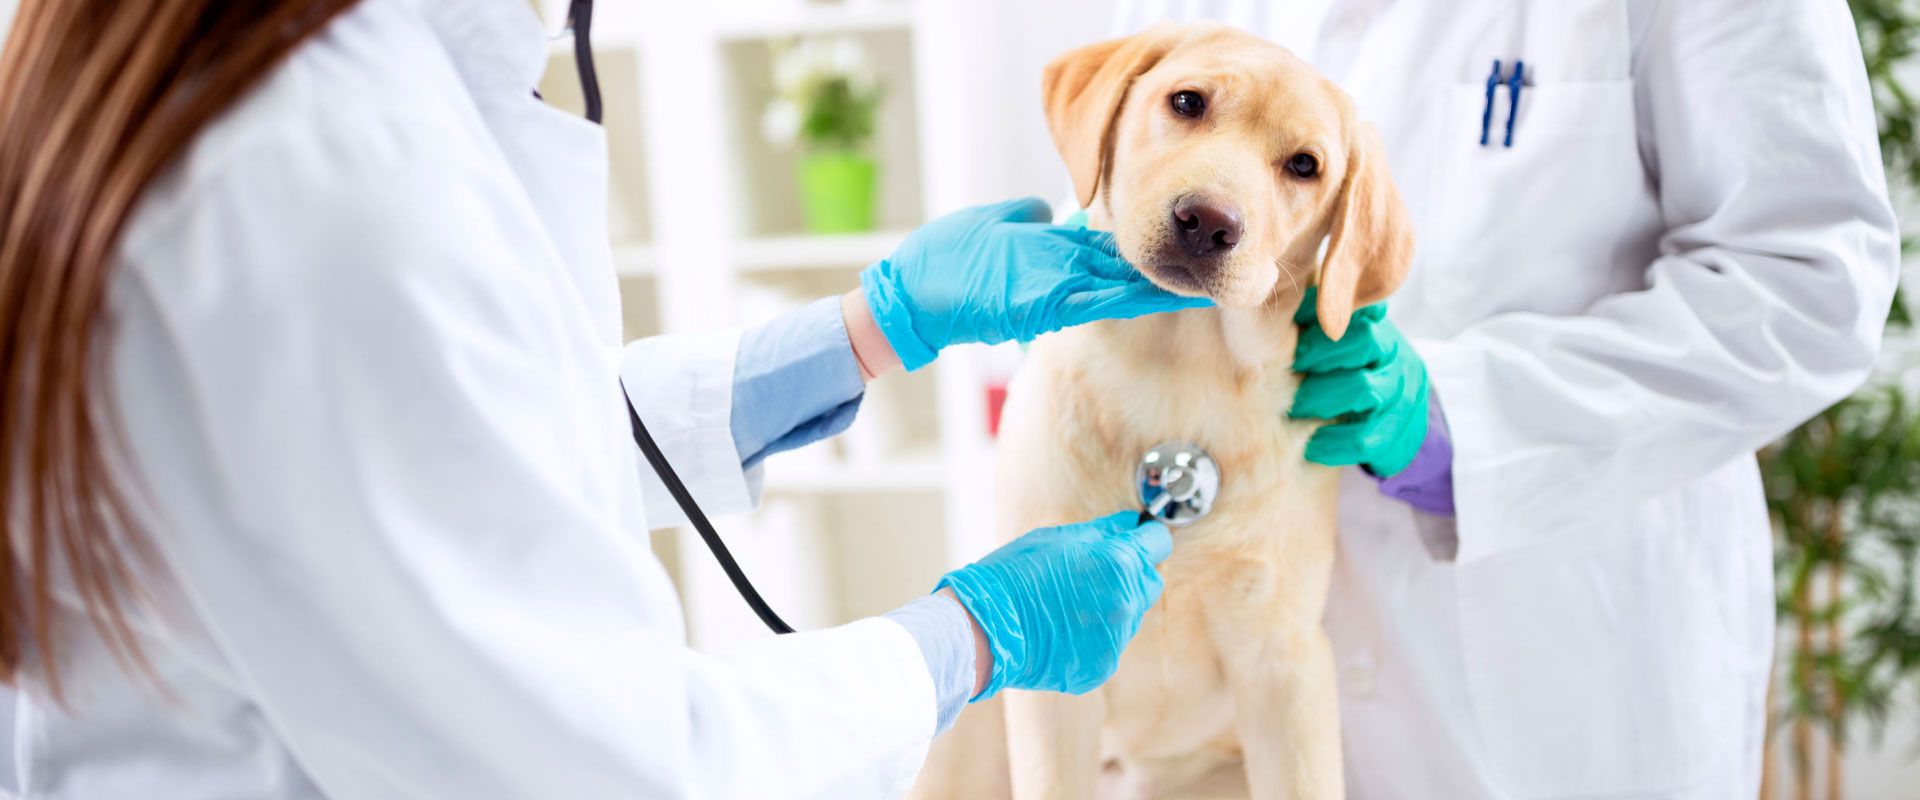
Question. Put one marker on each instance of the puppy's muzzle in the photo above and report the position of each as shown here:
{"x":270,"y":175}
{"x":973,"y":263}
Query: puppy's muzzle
{"x":1204,"y":227}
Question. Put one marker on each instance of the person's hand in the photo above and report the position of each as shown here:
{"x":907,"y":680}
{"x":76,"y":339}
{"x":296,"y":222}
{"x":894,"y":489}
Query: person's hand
{"x":1370,"y":385}
{"x":1000,"y":273}
{"x":1059,"y":604}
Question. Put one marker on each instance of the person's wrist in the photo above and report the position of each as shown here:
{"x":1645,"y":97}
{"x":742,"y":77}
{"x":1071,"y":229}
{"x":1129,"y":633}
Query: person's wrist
{"x":982,"y":652}
{"x":870,"y":346}
{"x":894,"y":314}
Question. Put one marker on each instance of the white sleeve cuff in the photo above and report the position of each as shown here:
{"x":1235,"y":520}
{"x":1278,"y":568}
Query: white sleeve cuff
{"x":682,"y":388}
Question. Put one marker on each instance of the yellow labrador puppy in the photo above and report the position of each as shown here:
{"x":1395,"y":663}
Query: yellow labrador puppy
{"x":1222,"y":163}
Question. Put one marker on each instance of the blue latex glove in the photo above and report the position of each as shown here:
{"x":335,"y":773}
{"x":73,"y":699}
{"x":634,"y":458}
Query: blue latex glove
{"x":1059,"y":604}
{"x":999,"y":273}
{"x":1371,"y":384}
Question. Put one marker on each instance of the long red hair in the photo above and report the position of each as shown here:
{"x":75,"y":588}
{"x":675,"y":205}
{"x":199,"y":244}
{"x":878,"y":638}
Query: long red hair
{"x":97,"y":97}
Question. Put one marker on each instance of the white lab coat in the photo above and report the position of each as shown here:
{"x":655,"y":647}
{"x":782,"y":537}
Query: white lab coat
{"x":365,"y":342}
{"x":1687,"y":251}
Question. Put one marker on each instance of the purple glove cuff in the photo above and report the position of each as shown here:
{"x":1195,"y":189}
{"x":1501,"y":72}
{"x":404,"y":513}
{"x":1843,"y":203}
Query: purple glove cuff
{"x":1427,"y":483}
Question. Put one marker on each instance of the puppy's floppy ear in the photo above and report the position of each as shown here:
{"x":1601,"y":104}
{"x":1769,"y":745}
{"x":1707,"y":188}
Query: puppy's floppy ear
{"x":1082,"y":91}
{"x":1371,"y":244}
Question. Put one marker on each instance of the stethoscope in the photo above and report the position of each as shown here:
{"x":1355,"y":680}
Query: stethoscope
{"x":1177,"y":481}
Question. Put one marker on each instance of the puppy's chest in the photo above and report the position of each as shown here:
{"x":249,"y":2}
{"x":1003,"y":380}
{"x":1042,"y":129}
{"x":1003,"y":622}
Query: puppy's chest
{"x":1242,"y":573}
{"x":1112,"y":418}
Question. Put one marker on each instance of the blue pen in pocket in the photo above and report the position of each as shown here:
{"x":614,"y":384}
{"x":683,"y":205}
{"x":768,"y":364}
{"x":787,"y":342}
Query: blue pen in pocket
{"x":1486,"y":113}
{"x":1514,"y":85}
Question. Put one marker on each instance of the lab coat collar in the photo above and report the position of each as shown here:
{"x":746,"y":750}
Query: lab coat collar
{"x":495,"y":44}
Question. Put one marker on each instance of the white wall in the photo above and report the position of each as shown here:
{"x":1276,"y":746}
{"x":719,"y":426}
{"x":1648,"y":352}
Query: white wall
{"x":1004,"y":45}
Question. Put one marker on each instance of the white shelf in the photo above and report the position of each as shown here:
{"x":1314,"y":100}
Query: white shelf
{"x":918,"y":474}
{"x":813,"y":252}
{"x":625,"y":29}
{"x":606,"y":37}
{"x":634,"y":260}
{"x":803,"y":20}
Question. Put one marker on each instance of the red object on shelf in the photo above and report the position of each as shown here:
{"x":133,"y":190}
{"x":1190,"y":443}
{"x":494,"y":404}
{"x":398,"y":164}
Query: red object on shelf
{"x":996,"y":400}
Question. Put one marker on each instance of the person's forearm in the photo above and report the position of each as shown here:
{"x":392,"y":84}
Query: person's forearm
{"x":1427,"y":483}
{"x":870,"y":348}
{"x":982,"y":654}
{"x":795,"y":381}
{"x":799,"y":377}
{"x":955,"y":649}
{"x":835,"y":712}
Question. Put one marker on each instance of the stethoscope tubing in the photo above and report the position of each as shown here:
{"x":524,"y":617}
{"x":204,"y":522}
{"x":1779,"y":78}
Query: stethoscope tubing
{"x":698,"y":519}
{"x":580,"y":20}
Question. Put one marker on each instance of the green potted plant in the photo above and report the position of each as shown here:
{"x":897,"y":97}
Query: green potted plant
{"x":826,"y":98}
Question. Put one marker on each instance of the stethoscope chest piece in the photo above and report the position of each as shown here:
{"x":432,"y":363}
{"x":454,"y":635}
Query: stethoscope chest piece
{"x":1178,"y":483}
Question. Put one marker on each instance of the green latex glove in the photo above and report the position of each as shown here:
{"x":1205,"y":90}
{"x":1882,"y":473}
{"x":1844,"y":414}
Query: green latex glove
{"x":1370,"y":385}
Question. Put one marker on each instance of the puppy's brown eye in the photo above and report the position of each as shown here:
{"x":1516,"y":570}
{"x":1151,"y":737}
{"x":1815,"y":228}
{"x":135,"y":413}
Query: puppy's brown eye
{"x":1303,"y":165}
{"x":1188,"y":103}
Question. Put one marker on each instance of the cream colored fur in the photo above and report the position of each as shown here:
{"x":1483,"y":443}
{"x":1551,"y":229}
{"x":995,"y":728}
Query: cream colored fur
{"x":1229,"y":688}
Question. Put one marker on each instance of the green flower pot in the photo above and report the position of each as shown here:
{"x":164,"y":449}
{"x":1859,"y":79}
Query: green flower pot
{"x":836,"y":190}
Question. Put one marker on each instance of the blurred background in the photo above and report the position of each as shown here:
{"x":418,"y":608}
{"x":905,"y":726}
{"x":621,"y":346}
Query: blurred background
{"x":763,"y":151}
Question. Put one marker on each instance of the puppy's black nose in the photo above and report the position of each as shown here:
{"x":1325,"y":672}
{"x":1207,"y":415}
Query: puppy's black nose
{"x":1205,"y":227}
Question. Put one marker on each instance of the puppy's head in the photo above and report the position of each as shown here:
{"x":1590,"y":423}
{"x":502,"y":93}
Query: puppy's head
{"x":1224,"y":161}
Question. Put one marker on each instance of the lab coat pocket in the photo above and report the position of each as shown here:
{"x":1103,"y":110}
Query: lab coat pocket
{"x":1595,"y":664}
{"x":1562,"y":200}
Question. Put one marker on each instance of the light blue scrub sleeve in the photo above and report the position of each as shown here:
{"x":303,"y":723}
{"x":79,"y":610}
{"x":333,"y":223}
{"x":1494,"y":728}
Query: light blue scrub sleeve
{"x":795,"y":382}
{"x":946,"y":641}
